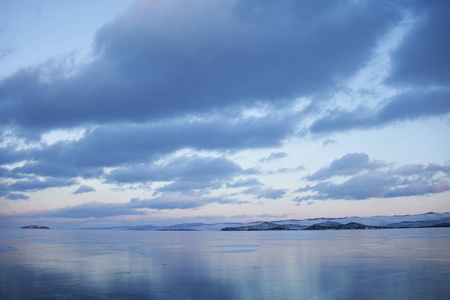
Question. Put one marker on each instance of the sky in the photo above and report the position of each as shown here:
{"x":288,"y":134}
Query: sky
{"x":140,"y":112}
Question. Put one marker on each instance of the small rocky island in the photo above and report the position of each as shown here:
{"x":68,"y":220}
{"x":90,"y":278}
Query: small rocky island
{"x":34,"y":227}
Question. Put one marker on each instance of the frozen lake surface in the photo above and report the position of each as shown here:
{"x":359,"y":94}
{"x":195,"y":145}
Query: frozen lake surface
{"x":364,"y":264}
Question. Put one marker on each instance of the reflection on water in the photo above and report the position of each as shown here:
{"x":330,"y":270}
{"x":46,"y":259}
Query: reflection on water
{"x":370,"y":264}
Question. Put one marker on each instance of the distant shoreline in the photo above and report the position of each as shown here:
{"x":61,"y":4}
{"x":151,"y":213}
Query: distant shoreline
{"x":427,"y":220}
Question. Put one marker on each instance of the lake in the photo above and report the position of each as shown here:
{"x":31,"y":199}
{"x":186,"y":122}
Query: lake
{"x":353,"y":264}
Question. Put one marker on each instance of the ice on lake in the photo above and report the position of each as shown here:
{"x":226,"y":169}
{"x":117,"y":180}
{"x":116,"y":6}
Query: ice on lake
{"x":355,"y":264}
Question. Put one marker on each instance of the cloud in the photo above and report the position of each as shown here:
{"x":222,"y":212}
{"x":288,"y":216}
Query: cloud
{"x":270,"y":216}
{"x":375,"y":181}
{"x":185,"y":174}
{"x":356,"y":188}
{"x":131,"y":148}
{"x":178,"y":202}
{"x":134,"y":207}
{"x":254,"y":190}
{"x":349,"y":164}
{"x":261,"y":192}
{"x":244,"y":183}
{"x":190,"y":187}
{"x":414,"y":105}
{"x":287,"y":170}
{"x":84,"y":189}
{"x":185,"y":168}
{"x":418,"y":188}
{"x":422,"y":57}
{"x":411,"y":105}
{"x":12,"y":196}
{"x":33,"y":185}
{"x":10,"y":154}
{"x":4,"y":52}
{"x":418,"y":66}
{"x":273,"y":156}
{"x":49,"y":169}
{"x":91,"y":210}
{"x":271,"y":194}
{"x":9,"y":189}
{"x":195,"y":59}
{"x":418,"y":169}
{"x":117,"y":144}
{"x":366,"y":186}
{"x":328,"y":142}
{"x":214,"y":78}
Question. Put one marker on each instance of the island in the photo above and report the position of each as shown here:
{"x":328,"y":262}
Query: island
{"x":34,"y":227}
{"x":319,"y":226}
{"x":338,"y":226}
{"x":265,"y":226}
{"x":333,"y":225}
{"x":426,"y":220}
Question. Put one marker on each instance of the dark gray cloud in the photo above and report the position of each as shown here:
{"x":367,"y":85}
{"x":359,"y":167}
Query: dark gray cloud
{"x":418,"y":189}
{"x":197,"y":58}
{"x":185,"y":174}
{"x":184,"y":75}
{"x":374,"y":180}
{"x":132,"y":148}
{"x":115,"y":145}
{"x":84,"y":189}
{"x":9,"y":154}
{"x":34,"y":185}
{"x":422,"y":58}
{"x":419,"y":63}
{"x":52,"y":168}
{"x":414,"y":105}
{"x":15,"y":184}
{"x":406,"y":106}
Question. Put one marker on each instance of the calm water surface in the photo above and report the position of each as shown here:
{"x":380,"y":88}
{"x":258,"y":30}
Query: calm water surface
{"x":372,"y":264}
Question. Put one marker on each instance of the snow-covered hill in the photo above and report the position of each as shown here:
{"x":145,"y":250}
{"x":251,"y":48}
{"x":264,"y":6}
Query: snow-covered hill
{"x":399,"y":221}
{"x":373,"y":221}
